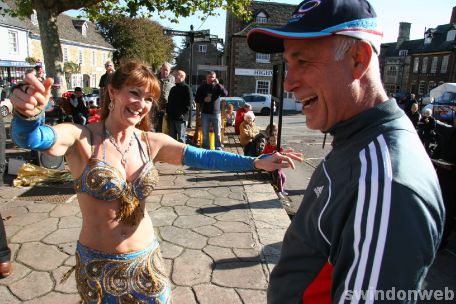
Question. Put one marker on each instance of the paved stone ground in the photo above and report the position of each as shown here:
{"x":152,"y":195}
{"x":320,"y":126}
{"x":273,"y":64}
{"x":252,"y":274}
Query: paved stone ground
{"x":220,"y":235}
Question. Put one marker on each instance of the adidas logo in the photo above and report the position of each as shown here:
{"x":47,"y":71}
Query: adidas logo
{"x":318,"y":191}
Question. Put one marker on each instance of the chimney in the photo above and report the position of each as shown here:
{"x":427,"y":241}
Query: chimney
{"x":404,"y":32}
{"x":453,"y":16}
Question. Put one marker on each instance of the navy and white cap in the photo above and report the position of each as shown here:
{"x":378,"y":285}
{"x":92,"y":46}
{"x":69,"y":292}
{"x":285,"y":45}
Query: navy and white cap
{"x":315,"y":19}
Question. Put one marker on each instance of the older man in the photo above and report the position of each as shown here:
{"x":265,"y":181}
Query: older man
{"x":109,"y":66}
{"x":371,"y":219}
{"x":167,"y":81}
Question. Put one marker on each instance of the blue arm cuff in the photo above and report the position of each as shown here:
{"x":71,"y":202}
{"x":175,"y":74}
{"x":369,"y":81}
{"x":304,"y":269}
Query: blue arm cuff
{"x":216,"y":160}
{"x":32,"y":134}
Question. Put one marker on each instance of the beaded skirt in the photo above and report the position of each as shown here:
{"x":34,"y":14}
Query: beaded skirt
{"x":136,"y":277}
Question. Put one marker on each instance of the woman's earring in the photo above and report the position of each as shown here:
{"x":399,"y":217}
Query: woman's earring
{"x":111,"y":106}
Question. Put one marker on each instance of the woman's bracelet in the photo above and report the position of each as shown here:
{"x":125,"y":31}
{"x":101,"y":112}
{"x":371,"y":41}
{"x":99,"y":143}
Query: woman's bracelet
{"x":23,"y":117}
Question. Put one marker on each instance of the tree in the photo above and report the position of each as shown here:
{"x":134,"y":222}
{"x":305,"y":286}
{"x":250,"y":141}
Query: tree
{"x":137,"y":38}
{"x":47,"y":12}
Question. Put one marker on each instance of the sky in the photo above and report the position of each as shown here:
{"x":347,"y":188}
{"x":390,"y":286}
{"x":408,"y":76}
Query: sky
{"x":420,"y":13}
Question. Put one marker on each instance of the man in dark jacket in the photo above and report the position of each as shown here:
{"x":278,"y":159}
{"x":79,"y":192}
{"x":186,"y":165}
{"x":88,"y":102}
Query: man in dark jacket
{"x":371,"y":219}
{"x":166,"y":81}
{"x":178,"y":106}
{"x":208,"y":94}
{"x":78,"y":107}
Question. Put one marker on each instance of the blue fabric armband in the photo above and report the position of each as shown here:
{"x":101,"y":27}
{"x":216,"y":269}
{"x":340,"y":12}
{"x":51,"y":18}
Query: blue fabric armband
{"x":32,"y":134}
{"x":216,"y":160}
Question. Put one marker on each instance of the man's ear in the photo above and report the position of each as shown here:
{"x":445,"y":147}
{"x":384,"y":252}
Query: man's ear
{"x":361,"y":55}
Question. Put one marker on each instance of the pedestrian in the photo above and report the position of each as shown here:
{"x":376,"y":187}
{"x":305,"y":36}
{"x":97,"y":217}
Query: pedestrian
{"x":278,"y":177}
{"x":248,"y":130}
{"x":109,"y":66}
{"x":5,"y":252}
{"x":414,"y":115}
{"x":230,"y":115}
{"x":78,"y":107}
{"x":208,"y":95}
{"x":112,"y":161}
{"x":371,"y":218}
{"x":167,"y":81}
{"x":426,"y":130}
{"x":240,"y":116}
{"x":39,"y":72}
{"x":178,"y":107}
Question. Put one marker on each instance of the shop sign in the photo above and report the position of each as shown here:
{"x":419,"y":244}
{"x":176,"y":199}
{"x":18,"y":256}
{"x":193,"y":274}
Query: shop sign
{"x":253,"y":72}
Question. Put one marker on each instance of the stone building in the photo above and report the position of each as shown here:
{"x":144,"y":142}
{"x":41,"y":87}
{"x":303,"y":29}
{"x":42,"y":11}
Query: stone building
{"x":250,"y":72}
{"x":81,"y":43}
{"x":206,"y":57}
{"x":417,"y":66}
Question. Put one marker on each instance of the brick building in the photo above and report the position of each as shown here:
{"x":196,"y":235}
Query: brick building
{"x":418,"y":66}
{"x":247,"y":71}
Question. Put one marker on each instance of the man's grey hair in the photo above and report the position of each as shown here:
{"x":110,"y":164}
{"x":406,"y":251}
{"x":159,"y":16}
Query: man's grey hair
{"x":343,"y":44}
{"x":166,"y":64}
{"x":249,"y":114}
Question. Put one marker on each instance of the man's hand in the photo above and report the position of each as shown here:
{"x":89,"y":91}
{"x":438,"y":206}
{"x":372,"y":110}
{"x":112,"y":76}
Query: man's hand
{"x":30,"y":97}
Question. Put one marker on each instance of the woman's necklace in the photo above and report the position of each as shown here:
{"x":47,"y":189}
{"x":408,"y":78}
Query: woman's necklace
{"x":123,"y":154}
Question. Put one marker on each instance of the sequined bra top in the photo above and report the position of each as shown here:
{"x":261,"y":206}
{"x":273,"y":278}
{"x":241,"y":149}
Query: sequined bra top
{"x":105,"y":182}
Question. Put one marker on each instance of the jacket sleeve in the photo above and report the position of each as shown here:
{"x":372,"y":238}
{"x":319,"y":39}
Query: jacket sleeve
{"x":200,"y":94}
{"x":387,"y":245}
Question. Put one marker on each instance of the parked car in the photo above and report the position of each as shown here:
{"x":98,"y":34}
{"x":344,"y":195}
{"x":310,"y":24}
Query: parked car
{"x":237,"y":102}
{"x":425,"y":100}
{"x":93,"y":97}
{"x":6,"y":107}
{"x":261,"y":103}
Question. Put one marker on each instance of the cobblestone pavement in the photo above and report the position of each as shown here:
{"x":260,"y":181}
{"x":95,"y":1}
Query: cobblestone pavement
{"x":220,"y":235}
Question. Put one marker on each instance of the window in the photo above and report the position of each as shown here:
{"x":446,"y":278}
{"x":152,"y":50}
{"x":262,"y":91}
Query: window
{"x":65,"y":54}
{"x":422,"y":88}
{"x":391,"y":71}
{"x":444,"y":66}
{"x":416,"y":64}
{"x":202,"y":48}
{"x":435,"y":59}
{"x":104,"y":57}
{"x":260,"y":57}
{"x":424,"y":65}
{"x":93,"y":80}
{"x":76,"y":81}
{"x":403,"y":52}
{"x":84,"y":30}
{"x":80,"y":56}
{"x":94,"y":58}
{"x":262,"y":86}
{"x":34,"y":18}
{"x":12,"y":40}
{"x":427,"y":38}
{"x":261,"y":18}
{"x":451,"y":35}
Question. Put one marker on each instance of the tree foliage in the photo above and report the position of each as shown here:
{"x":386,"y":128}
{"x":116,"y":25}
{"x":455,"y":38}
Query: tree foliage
{"x":137,"y":38}
{"x":97,"y":10}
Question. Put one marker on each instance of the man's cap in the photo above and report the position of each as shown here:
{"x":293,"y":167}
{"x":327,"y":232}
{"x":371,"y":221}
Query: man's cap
{"x":315,"y":19}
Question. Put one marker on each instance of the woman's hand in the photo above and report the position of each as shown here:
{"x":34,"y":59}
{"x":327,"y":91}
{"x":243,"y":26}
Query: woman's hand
{"x":278,"y":160}
{"x":30,"y":97}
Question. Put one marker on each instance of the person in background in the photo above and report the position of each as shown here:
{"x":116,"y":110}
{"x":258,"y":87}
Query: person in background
{"x":414,"y":115}
{"x":248,"y":130}
{"x":79,"y":110}
{"x":368,"y":200}
{"x":240,"y":116}
{"x":109,"y":66}
{"x":118,"y":258}
{"x":208,"y":95}
{"x":230,"y":115}
{"x":39,"y":72}
{"x":426,"y":130}
{"x":178,"y":107}
{"x":278,"y":177}
{"x":167,"y":81}
{"x":5,"y":252}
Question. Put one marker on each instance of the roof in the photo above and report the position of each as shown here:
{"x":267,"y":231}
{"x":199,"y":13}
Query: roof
{"x":278,"y":14}
{"x":392,"y":49}
{"x":67,"y":29}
